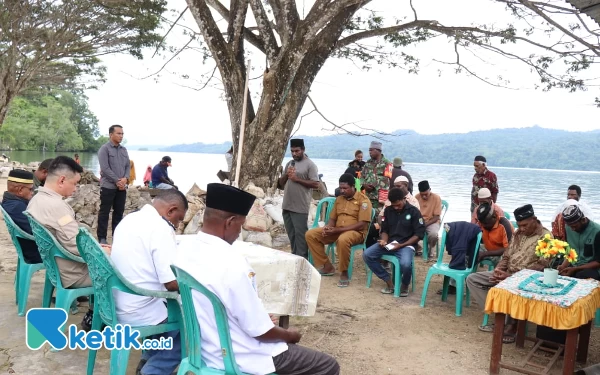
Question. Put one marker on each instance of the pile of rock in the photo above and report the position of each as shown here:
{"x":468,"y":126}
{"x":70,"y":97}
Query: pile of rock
{"x":264,"y":224}
{"x":86,"y":203}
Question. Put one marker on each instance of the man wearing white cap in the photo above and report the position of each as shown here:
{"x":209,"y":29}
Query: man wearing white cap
{"x":402,"y":182}
{"x":485,"y":196}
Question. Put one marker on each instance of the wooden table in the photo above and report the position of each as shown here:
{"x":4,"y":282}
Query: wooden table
{"x":574,"y":313}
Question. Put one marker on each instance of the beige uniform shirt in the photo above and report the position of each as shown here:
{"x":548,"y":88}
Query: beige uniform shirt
{"x":49,"y":208}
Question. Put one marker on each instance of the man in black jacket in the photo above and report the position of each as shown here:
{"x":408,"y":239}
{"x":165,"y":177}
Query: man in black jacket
{"x":19,"y":191}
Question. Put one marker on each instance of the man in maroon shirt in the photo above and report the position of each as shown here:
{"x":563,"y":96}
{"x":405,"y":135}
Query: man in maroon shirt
{"x":483,"y":178}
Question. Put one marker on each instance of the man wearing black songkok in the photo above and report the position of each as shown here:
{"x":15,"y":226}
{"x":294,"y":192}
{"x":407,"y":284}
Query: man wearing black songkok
{"x":19,"y":191}
{"x":299,"y":178}
{"x":519,"y":255}
{"x":259,"y":346}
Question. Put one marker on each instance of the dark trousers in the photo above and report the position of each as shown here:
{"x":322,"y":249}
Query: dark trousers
{"x":587,"y":274}
{"x":298,"y":360}
{"x":296,"y":226}
{"x":110,"y":198}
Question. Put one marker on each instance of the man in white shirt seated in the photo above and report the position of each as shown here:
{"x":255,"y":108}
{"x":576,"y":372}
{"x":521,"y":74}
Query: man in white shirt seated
{"x":259,"y":346}
{"x":143,"y":246}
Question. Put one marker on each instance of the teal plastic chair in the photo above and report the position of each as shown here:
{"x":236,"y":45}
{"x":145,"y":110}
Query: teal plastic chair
{"x":597,"y":320}
{"x":488,"y":263}
{"x":459,"y":275}
{"x":193,"y":361}
{"x":25,"y":270}
{"x":329,"y":201}
{"x":106,"y":278}
{"x":397,"y":273}
{"x":50,"y":249}
{"x":507,"y":216}
{"x":425,"y":238}
{"x":361,"y":246}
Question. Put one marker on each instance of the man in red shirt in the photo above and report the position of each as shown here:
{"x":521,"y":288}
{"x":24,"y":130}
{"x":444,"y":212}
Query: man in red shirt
{"x":483,"y":178}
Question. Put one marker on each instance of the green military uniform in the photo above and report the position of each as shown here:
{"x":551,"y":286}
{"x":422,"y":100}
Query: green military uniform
{"x":377,"y":173}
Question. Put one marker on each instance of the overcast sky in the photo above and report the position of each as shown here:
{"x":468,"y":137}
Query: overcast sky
{"x":161,"y":112}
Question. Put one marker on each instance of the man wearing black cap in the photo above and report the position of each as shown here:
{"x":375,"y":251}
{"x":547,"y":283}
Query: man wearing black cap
{"x":483,"y":178}
{"x":19,"y":190}
{"x":39,"y":176}
{"x":160,"y":176}
{"x":430,"y":205}
{"x":519,"y":255}
{"x":300,"y":177}
{"x":348,"y":225}
{"x":583,"y":235}
{"x":260,"y":347}
{"x":376,"y":174}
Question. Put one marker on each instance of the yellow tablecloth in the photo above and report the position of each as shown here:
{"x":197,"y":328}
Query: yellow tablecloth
{"x":287,"y":284}
{"x":543,"y":313}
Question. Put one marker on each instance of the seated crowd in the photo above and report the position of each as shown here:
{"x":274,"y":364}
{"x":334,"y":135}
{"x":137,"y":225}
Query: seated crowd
{"x":260,"y":346}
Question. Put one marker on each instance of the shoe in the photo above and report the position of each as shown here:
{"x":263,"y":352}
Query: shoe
{"x":138,"y":370}
{"x":451,"y":290}
{"x":86,"y":322}
{"x":102,"y":241}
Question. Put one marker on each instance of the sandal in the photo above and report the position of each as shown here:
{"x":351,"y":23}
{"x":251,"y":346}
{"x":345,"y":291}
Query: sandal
{"x":404,"y":293}
{"x":320,"y":270}
{"x":509,"y":338}
{"x":343,"y":283}
{"x":486,"y":328}
{"x":387,"y":290}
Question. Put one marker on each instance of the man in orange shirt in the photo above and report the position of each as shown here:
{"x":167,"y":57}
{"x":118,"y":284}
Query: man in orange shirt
{"x":431,"y":209}
{"x":496,"y":233}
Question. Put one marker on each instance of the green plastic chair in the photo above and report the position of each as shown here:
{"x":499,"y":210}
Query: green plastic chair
{"x":507,"y":216}
{"x":106,"y":278}
{"x":329,"y":202}
{"x":361,"y":246}
{"x":488,"y":263}
{"x":193,"y":361}
{"x":425,"y":238}
{"x":397,"y":274}
{"x":25,"y":270}
{"x":50,"y":249}
{"x":459,"y":275}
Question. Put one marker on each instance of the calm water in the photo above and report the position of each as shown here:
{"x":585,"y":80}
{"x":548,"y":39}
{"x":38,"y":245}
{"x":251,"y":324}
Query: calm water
{"x":544,"y":189}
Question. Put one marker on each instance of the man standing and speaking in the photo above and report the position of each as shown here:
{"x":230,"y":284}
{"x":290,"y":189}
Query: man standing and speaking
{"x":299,"y":178}
{"x":114,"y":173}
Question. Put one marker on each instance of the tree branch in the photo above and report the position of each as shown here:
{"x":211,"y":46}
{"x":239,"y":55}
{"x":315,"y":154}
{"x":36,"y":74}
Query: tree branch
{"x":382,"y":31}
{"x":265,"y":30}
{"x":248,"y":35}
{"x":237,"y":18}
{"x":168,"y":31}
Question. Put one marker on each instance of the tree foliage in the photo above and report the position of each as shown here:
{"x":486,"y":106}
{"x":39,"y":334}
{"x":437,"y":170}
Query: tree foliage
{"x":49,"y":43}
{"x":550,"y":38}
{"x":51,"y":120}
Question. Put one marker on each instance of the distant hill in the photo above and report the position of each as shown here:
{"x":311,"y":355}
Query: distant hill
{"x":532,"y":147}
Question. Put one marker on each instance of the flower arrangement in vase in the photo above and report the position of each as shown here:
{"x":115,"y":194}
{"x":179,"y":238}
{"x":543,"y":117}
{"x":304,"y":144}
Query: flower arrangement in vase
{"x":550,"y":248}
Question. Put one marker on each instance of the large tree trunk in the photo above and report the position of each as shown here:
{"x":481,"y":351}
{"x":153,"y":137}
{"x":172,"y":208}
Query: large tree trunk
{"x":293,"y":68}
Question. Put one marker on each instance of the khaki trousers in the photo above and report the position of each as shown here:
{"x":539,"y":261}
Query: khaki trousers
{"x":343,"y":242}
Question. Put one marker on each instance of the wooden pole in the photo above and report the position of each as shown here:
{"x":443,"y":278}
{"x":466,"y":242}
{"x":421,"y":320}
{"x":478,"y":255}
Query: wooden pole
{"x":238,"y":165}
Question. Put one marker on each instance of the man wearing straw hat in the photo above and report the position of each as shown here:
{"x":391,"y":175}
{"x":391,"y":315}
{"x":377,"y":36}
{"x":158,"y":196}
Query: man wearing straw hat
{"x":19,"y":191}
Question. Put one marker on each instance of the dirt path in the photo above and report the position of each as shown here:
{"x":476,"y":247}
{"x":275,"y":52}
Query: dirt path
{"x":369,"y":333}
